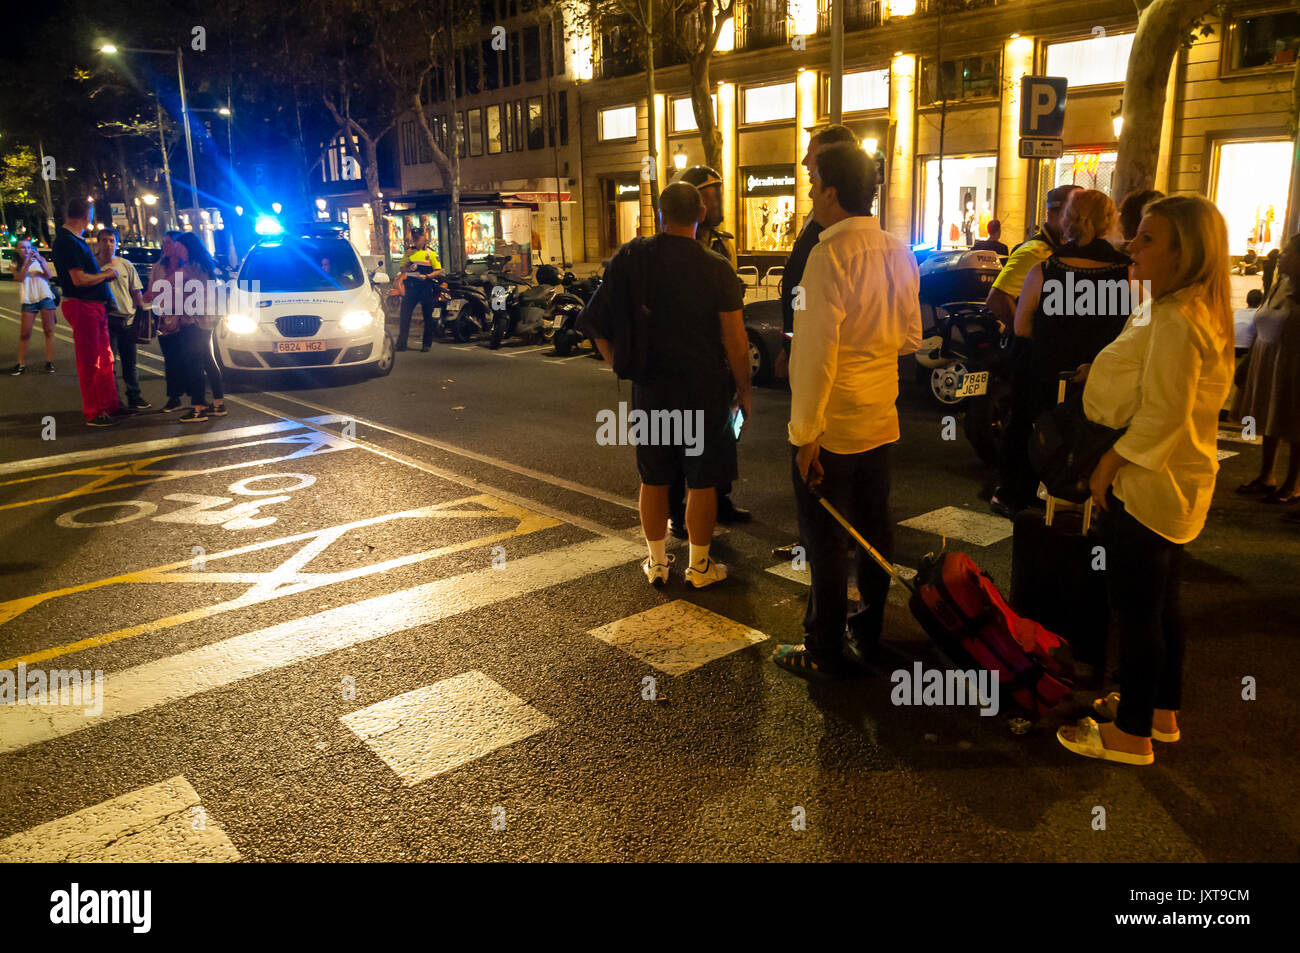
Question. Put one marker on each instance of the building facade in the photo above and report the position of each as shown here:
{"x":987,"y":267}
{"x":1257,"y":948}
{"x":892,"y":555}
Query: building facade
{"x":566,"y":147}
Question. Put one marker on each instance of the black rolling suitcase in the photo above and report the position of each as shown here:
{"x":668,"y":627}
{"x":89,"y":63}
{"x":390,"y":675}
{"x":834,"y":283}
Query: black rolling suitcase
{"x":1058,"y":577}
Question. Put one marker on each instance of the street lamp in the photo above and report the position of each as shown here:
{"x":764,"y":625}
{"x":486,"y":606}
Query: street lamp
{"x":1117,"y":119}
{"x":110,"y":49}
{"x":679,"y":159}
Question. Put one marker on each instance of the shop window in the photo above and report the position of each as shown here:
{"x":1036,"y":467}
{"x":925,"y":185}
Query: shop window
{"x":532,"y":54}
{"x":536,"y":134}
{"x":1250,"y":189}
{"x":493,"y":130}
{"x":970,"y":77}
{"x":864,"y":90}
{"x":619,"y":123}
{"x":1091,"y":62}
{"x":683,"y":114}
{"x":479,"y":232}
{"x":968,"y":200}
{"x":769,"y":103}
{"x":767,"y":208}
{"x":1088,"y":170}
{"x":1263,"y":39}
{"x":476,"y":132}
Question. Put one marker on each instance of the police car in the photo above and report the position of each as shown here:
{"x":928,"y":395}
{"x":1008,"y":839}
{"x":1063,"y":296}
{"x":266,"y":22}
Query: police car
{"x":304,"y":301}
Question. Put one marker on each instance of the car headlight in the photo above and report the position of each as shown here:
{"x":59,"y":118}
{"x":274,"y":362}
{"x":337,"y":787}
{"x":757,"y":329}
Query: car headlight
{"x":356,"y":320}
{"x":240,"y":324}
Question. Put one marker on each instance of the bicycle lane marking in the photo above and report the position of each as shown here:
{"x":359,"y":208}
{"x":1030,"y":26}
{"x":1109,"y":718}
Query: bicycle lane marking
{"x":225,"y":662}
{"x":287,"y":578}
{"x":103,"y":478}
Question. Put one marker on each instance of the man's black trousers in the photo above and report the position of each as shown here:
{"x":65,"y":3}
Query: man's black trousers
{"x":857,"y":485}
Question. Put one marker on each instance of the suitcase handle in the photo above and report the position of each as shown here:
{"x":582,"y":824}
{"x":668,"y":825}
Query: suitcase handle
{"x":881,"y":561}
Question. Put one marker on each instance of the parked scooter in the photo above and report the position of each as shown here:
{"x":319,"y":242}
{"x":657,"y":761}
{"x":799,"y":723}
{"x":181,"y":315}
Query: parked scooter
{"x":566,"y":309}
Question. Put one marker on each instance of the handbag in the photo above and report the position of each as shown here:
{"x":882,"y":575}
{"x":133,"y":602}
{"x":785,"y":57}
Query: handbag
{"x":1066,"y":447}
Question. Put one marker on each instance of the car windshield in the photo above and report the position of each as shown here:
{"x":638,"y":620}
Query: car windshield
{"x":327,"y":264}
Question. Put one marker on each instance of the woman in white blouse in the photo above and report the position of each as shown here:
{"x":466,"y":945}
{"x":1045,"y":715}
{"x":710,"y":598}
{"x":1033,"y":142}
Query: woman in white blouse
{"x":1163,"y":380}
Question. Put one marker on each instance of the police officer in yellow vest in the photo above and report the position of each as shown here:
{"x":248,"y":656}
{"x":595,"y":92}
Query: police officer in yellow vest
{"x":708,"y":234}
{"x":418,"y":268}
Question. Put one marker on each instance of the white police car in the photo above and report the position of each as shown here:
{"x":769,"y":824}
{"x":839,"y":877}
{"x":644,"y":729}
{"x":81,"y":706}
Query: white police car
{"x":303,"y":302}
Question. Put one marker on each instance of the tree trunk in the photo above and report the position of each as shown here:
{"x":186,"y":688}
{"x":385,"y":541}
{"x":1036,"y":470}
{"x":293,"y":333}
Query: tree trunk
{"x":702,"y":104}
{"x":371,"y":173}
{"x":1162,"y":24}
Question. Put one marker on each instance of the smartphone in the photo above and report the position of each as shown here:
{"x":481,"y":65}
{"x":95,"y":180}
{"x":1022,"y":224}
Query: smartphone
{"x":737,"y":422}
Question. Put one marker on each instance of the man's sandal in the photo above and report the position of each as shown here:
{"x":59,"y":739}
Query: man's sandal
{"x":1086,"y":740}
{"x":1108,"y":708}
{"x":795,"y":658}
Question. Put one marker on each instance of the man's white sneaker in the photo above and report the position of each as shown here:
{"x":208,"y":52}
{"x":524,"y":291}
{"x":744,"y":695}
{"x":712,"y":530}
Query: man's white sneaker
{"x":657,"y":573}
{"x":711,"y":573}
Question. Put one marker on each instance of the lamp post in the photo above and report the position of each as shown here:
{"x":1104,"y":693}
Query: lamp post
{"x":110,"y":49}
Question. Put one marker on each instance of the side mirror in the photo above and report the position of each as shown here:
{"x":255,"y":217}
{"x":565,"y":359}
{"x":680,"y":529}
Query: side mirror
{"x":380,"y":277}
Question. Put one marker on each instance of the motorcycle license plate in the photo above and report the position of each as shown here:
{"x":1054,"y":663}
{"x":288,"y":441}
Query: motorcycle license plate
{"x":454,"y":305}
{"x":974,"y":384}
{"x":292,"y":347}
{"x":559,"y":320}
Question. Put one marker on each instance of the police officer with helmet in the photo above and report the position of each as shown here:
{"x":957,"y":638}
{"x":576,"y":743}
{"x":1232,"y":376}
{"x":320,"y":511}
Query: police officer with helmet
{"x":708,"y":234}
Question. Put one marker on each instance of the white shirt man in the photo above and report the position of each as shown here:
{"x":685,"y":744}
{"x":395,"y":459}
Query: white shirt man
{"x":861,"y":310}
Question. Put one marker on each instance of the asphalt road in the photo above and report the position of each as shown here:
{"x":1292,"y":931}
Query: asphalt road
{"x":402,"y":619}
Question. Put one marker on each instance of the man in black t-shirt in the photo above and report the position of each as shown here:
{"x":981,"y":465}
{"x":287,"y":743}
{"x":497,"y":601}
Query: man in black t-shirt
{"x":85,"y":307}
{"x":697,"y":358}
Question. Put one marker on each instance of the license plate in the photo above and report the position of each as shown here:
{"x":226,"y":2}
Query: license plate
{"x":559,"y":320}
{"x":974,"y":384}
{"x":297,"y":347}
{"x":454,"y":305}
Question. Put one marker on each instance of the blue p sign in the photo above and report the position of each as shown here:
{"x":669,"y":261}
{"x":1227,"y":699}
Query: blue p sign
{"x":1042,"y":106}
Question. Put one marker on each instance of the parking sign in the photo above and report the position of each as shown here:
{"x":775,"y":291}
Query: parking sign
{"x":1042,"y":106}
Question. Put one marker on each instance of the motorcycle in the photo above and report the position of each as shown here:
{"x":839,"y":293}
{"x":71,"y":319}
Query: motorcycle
{"x":565,"y":310}
{"x":955,"y":360}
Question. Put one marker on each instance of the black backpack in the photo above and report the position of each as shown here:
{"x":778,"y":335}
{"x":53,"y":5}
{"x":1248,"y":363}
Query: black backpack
{"x":622,"y":310}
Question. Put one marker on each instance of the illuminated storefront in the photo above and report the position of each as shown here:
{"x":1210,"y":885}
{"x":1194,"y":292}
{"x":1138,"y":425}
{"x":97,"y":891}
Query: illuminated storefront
{"x":969,"y":183}
{"x":1088,"y":170}
{"x":767,"y":208}
{"x":1251,"y":180}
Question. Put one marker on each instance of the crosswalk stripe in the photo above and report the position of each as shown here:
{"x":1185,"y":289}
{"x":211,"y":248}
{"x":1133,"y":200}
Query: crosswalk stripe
{"x":243,"y":656}
{"x":678,"y":637}
{"x":162,"y":822}
{"x":982,"y":529}
{"x":440,"y":727}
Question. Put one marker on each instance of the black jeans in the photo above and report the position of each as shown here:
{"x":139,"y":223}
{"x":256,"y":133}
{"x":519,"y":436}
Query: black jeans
{"x":857,"y":485}
{"x":1143,"y":571}
{"x":174,"y":362}
{"x":1030,"y":397}
{"x":122,"y":340}
{"x":199,"y":363}
{"x":417,"y":293}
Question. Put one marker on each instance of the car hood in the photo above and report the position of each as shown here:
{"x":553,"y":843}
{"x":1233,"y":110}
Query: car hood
{"x":324,"y":303}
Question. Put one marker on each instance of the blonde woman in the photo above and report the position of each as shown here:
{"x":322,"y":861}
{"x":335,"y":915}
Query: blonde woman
{"x":1070,"y":307}
{"x":1164,"y":379}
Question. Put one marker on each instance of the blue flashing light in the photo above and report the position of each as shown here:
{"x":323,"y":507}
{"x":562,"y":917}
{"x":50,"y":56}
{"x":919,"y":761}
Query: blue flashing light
{"x":268,"y":225}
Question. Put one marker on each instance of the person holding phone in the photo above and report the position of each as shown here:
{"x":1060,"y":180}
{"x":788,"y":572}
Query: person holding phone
{"x":34,"y":276}
{"x":862,"y":291}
